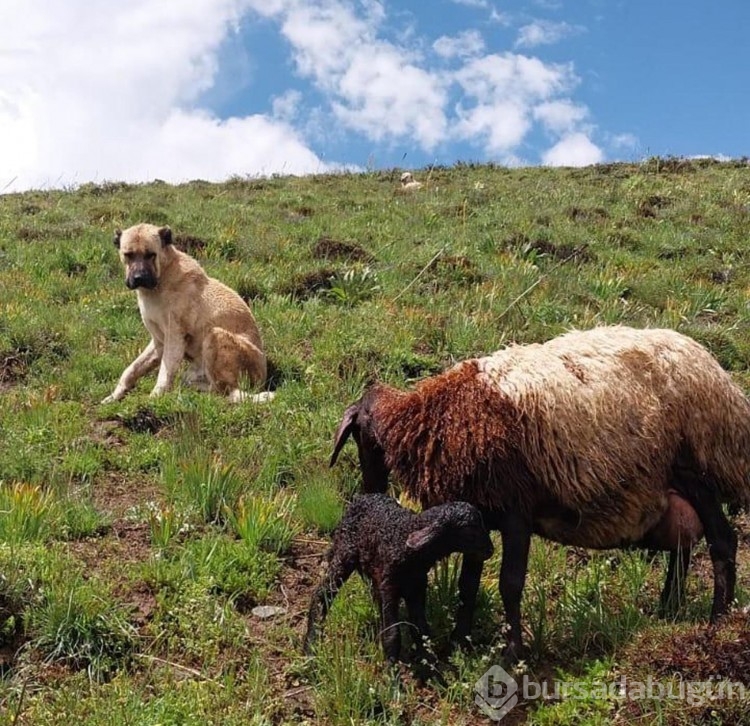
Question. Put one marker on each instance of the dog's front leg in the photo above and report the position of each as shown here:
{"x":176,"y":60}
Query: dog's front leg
{"x":145,"y":362}
{"x":174,"y":352}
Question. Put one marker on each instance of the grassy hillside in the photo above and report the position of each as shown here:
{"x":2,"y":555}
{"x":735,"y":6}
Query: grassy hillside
{"x":137,"y":537}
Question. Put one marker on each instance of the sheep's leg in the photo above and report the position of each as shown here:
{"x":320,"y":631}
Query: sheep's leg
{"x":468,"y":587}
{"x":516,"y":538}
{"x":700,"y":492}
{"x":339,"y":571}
{"x":390,"y":634}
{"x":722,"y":546}
{"x":674,"y":584}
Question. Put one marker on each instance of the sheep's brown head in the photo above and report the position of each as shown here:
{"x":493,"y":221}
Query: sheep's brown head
{"x":360,"y":421}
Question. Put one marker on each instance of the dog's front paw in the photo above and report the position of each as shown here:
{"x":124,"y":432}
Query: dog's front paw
{"x":157,"y":391}
{"x":114,"y":396}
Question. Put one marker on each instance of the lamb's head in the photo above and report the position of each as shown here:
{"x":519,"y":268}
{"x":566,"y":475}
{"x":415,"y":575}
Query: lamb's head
{"x":451,"y":527}
{"x":360,"y":421}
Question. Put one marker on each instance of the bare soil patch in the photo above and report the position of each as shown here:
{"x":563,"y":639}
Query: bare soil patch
{"x":303,"y":287}
{"x":145,"y":421}
{"x":327,"y":248}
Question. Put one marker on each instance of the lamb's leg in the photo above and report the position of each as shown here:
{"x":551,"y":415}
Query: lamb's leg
{"x":339,"y":570}
{"x":674,"y":584}
{"x":390,"y":635}
{"x":415,"y":596}
{"x":516,"y":538}
{"x":416,"y":604}
{"x":468,"y":587}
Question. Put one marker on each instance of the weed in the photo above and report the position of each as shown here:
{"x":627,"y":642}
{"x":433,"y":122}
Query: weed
{"x":164,"y":523}
{"x":263,"y":523}
{"x":354,"y":286}
{"x":204,"y":485}
{"x":353,"y":687}
{"x":319,"y":505}
{"x":76,"y":624}
{"x":26,"y":513}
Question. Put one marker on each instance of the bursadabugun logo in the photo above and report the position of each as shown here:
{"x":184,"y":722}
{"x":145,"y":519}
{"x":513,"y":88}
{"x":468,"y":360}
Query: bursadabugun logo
{"x":496,"y":693}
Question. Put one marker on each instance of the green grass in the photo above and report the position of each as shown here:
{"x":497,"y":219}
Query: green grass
{"x":136,"y":537}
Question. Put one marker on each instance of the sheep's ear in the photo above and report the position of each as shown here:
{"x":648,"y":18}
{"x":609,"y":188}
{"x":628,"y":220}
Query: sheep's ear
{"x":347,"y":425}
{"x":116,"y":238}
{"x":424,"y":537}
{"x":165,"y":234}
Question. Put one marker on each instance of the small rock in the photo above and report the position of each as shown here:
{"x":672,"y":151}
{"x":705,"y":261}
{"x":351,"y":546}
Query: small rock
{"x":264,"y":612}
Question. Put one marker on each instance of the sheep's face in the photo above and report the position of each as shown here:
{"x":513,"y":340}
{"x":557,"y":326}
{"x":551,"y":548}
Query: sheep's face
{"x":372,"y":463}
{"x":359,"y":423}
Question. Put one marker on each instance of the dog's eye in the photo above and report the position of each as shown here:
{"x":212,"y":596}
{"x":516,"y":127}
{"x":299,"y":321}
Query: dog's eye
{"x":128,"y":255}
{"x":150,"y":255}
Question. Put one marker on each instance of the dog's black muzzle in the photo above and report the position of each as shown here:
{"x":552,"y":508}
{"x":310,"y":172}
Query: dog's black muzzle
{"x":141,"y":279}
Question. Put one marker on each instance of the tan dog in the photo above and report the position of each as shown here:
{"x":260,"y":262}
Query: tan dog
{"x":190,"y":316}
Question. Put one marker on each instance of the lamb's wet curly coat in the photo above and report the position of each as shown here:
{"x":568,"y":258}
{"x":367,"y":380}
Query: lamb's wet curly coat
{"x":394,"y":549}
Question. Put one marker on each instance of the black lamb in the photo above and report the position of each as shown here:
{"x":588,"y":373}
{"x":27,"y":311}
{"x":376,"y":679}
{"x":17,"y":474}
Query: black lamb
{"x":395,"y":548}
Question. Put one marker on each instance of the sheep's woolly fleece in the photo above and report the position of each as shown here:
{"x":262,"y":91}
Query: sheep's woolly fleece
{"x":582,"y":430}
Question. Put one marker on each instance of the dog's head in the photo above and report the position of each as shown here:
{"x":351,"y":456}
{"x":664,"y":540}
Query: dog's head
{"x":141,"y":249}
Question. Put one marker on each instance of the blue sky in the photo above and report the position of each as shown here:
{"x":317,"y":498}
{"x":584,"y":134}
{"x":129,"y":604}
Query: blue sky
{"x":93,"y":91}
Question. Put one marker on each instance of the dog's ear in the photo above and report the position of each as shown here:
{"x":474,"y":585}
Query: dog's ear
{"x":116,"y":239}
{"x":165,"y":234}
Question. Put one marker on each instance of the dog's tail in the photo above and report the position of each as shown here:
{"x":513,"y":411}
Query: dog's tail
{"x":239,"y":396}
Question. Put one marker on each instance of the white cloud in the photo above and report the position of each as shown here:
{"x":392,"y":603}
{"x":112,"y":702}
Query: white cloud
{"x":495,"y":15}
{"x":386,"y":97}
{"x":481,"y":4}
{"x":505,"y":89}
{"x":502,"y":125}
{"x":93,"y":91}
{"x":515,"y":76}
{"x":560,"y":116}
{"x":465,"y":44}
{"x":545,"y":32}
{"x":625,"y":141}
{"x":500,"y":18}
{"x":374,"y":87}
{"x":576,"y":149}
{"x":286,"y":106}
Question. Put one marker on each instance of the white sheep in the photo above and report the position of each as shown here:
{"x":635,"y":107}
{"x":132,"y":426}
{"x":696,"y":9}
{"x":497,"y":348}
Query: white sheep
{"x":409,"y":183}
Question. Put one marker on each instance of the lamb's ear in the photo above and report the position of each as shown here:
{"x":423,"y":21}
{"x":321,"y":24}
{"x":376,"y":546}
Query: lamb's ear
{"x":347,"y":425}
{"x":165,"y":233}
{"x":116,"y":238}
{"x":424,"y":537}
